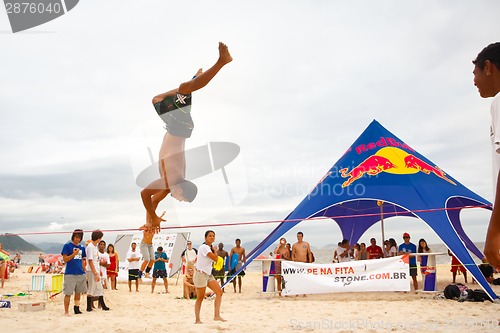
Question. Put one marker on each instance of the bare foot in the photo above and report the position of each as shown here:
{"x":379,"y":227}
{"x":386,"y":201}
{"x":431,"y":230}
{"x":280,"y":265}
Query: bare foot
{"x":219,"y":319}
{"x":67,"y":314}
{"x":198,"y":322}
{"x":224,"y":56}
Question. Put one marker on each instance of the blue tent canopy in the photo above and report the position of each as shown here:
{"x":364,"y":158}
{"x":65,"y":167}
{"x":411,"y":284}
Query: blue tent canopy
{"x":380,"y":169}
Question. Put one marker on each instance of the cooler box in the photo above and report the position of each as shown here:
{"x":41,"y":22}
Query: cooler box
{"x":31,"y":306}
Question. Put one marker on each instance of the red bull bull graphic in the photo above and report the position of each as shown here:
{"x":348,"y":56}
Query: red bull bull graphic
{"x":414,"y":162}
{"x":373,"y":165}
{"x":391,"y":160}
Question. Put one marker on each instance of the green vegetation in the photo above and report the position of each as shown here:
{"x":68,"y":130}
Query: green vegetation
{"x":15,"y":243}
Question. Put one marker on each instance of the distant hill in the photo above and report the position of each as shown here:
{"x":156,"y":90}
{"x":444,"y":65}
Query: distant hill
{"x":13,"y":243}
{"x":50,"y":247}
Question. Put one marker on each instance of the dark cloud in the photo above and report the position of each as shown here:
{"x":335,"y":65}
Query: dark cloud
{"x":98,"y":179}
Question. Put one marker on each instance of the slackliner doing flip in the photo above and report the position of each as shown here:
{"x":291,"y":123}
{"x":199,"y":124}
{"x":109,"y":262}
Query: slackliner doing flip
{"x":174,"y":108}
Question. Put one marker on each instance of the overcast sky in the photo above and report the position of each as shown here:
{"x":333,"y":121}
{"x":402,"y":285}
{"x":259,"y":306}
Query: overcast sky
{"x":307,"y":78}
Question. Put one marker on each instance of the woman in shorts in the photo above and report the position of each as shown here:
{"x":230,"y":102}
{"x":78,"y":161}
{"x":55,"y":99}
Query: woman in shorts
{"x":203,"y":277}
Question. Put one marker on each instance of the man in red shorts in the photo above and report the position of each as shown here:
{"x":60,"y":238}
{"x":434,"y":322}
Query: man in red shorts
{"x":456,"y":266}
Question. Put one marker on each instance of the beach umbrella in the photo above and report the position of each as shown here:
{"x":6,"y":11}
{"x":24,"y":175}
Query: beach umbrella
{"x":52,"y":258}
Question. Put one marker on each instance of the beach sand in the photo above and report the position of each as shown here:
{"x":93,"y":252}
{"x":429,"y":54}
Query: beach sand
{"x":252,"y":311}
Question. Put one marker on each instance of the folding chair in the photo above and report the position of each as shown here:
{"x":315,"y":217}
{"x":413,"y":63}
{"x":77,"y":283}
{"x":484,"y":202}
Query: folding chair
{"x":37,"y":284}
{"x":57,"y":286}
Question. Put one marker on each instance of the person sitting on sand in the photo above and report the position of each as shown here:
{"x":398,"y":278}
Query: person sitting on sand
{"x":174,"y":108}
{"x":189,"y":289}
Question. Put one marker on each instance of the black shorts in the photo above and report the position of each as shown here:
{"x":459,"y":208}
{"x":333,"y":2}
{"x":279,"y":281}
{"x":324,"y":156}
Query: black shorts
{"x":160,"y":274}
{"x":175,"y":111}
{"x":242,"y":273}
{"x":133,"y":274}
{"x":413,"y":270}
{"x":219,"y":274}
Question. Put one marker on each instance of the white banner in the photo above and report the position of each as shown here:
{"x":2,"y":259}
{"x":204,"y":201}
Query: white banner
{"x":173,"y":245}
{"x":389,"y":274}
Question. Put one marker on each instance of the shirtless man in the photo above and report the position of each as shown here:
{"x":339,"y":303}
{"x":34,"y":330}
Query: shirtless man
{"x":242,"y":258}
{"x":174,"y":107}
{"x":219,"y":275}
{"x":147,"y":251}
{"x":301,"y":251}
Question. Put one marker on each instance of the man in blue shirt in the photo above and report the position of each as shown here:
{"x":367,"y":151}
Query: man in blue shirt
{"x":74,"y":275}
{"x":407,"y":248}
{"x":159,"y":269}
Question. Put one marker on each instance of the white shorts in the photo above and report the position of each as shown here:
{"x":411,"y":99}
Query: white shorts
{"x":95,"y":287}
{"x":202,"y":279}
{"x":148,"y":254}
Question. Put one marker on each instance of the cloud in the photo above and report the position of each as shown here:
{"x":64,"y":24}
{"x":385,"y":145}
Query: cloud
{"x":307,"y":79}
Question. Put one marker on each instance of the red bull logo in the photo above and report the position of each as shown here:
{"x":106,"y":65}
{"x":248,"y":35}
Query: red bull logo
{"x":414,"y":162}
{"x":391,"y":160}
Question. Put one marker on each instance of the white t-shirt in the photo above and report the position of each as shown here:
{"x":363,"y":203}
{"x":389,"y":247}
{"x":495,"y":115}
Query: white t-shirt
{"x":103,"y":269}
{"x":391,"y":253}
{"x":495,"y":139}
{"x":204,"y":263}
{"x":190,"y":255}
{"x":92,"y":255}
{"x":133,"y":254}
{"x":341,"y":250}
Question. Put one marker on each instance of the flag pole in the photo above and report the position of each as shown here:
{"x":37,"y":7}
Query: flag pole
{"x":380,"y":203}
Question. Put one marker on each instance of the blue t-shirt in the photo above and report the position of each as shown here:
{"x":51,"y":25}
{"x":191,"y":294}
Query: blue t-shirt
{"x":160,"y":265}
{"x":75,"y":265}
{"x":409,"y":248}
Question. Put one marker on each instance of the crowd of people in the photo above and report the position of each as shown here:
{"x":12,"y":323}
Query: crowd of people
{"x":8,"y":265}
{"x":301,"y":252}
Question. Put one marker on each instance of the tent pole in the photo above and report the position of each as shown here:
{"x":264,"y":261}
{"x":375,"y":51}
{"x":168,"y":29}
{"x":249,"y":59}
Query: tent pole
{"x":380,"y":203}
